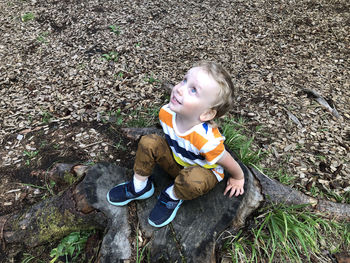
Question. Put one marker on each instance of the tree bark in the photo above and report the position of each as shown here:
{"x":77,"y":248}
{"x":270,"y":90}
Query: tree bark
{"x":52,"y":219}
{"x":277,"y":193}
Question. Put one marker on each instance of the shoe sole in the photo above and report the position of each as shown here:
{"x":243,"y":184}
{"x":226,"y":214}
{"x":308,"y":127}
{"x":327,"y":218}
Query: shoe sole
{"x":171,"y":218}
{"x":144,"y":196}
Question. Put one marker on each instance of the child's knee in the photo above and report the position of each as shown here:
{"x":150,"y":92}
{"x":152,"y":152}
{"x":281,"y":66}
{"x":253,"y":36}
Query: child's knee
{"x":150,"y":142}
{"x":150,"y":139}
{"x":193,"y":182}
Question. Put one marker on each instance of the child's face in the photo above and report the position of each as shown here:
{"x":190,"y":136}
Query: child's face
{"x":195,"y":95}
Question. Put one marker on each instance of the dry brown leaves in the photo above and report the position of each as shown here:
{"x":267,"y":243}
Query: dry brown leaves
{"x":68,"y":63}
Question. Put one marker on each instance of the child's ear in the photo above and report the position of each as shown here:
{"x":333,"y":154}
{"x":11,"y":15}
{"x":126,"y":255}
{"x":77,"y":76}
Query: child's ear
{"x":208,"y":115}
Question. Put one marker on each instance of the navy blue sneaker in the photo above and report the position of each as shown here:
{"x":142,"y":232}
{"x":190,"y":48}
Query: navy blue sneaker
{"x":164,"y":211}
{"x":124,"y":193}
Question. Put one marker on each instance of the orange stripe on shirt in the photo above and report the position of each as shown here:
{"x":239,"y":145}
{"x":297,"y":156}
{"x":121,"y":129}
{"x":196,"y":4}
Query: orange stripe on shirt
{"x":216,"y":133}
{"x":196,"y":139}
{"x":222,"y":175}
{"x":166,"y":117}
{"x":211,"y":155}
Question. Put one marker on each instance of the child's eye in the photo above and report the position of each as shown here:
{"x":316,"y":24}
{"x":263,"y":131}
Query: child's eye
{"x":193,"y":90}
{"x":184,"y":81}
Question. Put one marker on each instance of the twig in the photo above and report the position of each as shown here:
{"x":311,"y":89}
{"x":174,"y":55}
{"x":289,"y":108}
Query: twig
{"x":12,"y":191}
{"x":322,"y":101}
{"x":294,"y":119}
{"x":91,"y":144}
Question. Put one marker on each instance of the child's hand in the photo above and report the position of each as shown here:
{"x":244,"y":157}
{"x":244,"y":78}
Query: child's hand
{"x":234,"y":187}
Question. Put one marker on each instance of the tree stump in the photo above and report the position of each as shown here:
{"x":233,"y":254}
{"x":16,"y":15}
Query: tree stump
{"x":191,"y":236}
{"x":198,"y":229}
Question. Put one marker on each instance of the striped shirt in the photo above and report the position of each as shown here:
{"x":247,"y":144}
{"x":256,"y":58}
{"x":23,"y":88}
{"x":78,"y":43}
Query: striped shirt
{"x":202,"y":145}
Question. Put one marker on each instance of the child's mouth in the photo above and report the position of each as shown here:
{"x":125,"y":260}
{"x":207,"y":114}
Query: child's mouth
{"x":176,"y":100}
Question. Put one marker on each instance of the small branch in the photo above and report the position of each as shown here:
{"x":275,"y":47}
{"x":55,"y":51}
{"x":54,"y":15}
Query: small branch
{"x":294,"y":119}
{"x":323,"y":102}
{"x":91,"y":144}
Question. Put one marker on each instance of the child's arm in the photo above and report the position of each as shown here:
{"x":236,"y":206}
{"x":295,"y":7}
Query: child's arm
{"x":236,"y":181}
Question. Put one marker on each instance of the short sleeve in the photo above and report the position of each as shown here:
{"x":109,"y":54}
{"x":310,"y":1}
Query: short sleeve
{"x":213,"y":150}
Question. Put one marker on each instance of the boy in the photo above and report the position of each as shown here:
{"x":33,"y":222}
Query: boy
{"x":192,"y":152}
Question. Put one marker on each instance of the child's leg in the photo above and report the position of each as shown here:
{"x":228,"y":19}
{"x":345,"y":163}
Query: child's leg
{"x":153,"y":149}
{"x":193,"y":182}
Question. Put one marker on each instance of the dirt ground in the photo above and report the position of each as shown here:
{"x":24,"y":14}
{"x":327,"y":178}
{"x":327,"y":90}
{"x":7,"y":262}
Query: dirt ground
{"x":70,"y":69}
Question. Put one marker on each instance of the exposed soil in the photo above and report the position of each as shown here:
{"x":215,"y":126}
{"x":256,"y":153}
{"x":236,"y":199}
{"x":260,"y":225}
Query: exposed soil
{"x":73,"y":68}
{"x":58,"y":144}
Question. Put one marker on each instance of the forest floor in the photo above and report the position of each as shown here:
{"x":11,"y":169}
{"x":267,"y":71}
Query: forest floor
{"x":72,"y":72}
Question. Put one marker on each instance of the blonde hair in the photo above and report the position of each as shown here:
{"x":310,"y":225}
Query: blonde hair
{"x":226,"y":93}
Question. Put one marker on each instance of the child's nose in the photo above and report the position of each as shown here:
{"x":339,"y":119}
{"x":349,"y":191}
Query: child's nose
{"x":180,"y":89}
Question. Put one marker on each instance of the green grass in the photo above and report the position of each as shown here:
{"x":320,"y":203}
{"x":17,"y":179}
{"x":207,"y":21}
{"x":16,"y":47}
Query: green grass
{"x":242,"y":146}
{"x":27,"y":17}
{"x":30,"y":156}
{"x":46,"y":117}
{"x":343,"y":198}
{"x":289,"y":234}
{"x":111,"y":56}
{"x":49,"y":184}
{"x":42,"y":37}
{"x":114,"y":116}
{"x":321,"y":157}
{"x":114,"y":29}
{"x":48,"y":187}
{"x":34,"y":186}
{"x":140,"y":251}
{"x":282,"y":233}
{"x":239,"y":143}
{"x":89,"y":163}
{"x":120,"y":146}
{"x":141,"y":117}
{"x":281,"y":175}
{"x":151,"y":79}
{"x":120,"y":75}
{"x":27,"y":257}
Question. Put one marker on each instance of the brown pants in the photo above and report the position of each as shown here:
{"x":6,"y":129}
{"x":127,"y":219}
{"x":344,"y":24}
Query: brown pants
{"x":190,"y":182}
